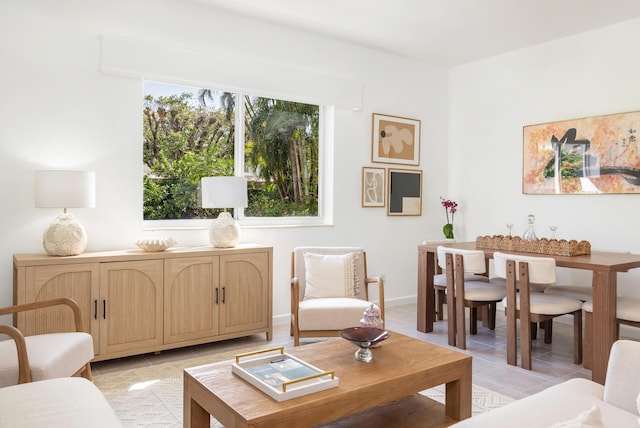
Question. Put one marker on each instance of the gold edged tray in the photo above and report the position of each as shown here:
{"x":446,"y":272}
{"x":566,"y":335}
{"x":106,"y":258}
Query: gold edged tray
{"x":282,"y":376}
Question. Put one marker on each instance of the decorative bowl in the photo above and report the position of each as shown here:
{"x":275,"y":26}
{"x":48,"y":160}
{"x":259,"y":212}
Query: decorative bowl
{"x":364,"y":338}
{"x":155,"y":244}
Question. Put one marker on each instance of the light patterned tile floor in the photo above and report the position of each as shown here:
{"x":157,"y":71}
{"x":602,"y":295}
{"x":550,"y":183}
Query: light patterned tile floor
{"x":552,"y":363}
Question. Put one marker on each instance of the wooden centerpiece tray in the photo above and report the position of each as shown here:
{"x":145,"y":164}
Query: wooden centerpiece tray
{"x":282,"y":376}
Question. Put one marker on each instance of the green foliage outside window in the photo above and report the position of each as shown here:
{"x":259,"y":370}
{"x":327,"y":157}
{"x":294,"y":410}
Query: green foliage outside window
{"x":186,"y":139}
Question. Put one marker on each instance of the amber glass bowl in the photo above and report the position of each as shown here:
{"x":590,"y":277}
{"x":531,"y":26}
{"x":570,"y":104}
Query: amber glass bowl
{"x":364,"y":338}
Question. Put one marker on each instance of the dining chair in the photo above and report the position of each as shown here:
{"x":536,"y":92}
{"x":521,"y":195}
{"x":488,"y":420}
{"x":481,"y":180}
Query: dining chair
{"x":627,"y":313}
{"x":462,"y":294}
{"x":440,"y":280}
{"x":532,"y":308}
{"x":329,"y":290}
{"x":44,"y":356}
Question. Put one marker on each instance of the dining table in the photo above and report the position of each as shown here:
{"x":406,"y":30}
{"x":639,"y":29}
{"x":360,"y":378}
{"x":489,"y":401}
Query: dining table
{"x":604,"y":265}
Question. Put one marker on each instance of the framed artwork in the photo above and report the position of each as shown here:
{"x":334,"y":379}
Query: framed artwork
{"x":373,"y":187}
{"x":593,"y":155}
{"x":404,"y":192}
{"x":395,"y":140}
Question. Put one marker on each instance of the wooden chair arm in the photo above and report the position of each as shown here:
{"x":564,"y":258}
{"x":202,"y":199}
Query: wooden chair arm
{"x":24,"y":371}
{"x":380,"y":281}
{"x":295,"y":294}
{"x":77,"y":314}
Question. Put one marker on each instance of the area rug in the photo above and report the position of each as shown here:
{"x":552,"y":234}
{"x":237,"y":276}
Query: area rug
{"x":151,"y":396}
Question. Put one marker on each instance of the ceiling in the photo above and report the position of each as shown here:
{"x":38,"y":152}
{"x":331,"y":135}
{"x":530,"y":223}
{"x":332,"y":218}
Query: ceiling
{"x":442,"y":32}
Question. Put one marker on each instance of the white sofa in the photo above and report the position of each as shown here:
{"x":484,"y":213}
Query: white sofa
{"x":565,"y":404}
{"x":69,"y":402}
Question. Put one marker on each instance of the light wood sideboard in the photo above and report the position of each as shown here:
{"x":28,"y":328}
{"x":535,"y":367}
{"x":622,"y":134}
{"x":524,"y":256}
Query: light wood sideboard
{"x":135,"y":302}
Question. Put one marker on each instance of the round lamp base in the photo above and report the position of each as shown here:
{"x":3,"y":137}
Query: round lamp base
{"x":64,"y":237}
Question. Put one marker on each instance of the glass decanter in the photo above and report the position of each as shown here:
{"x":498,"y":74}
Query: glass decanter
{"x":530,"y":233}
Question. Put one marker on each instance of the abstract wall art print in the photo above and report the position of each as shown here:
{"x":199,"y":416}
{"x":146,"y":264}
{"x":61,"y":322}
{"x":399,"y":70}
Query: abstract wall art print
{"x":593,"y":155}
{"x":395,"y":140}
{"x":373,"y":187}
{"x":405,"y":192}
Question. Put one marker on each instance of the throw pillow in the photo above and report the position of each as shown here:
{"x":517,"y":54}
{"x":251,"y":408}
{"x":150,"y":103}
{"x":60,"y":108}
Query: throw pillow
{"x":330,"y":275}
{"x":587,"y":419}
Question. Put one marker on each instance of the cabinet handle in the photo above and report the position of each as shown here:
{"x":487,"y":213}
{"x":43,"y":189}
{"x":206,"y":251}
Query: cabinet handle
{"x":95,"y":309}
{"x":223,"y":294}
{"x":104,"y":309}
{"x":216,"y":295}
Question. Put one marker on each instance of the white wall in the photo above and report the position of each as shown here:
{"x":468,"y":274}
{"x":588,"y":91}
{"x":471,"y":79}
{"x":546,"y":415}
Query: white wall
{"x":58,"y":111}
{"x":590,"y":74}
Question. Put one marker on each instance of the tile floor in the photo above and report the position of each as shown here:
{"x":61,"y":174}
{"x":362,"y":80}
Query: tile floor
{"x":552,"y":363}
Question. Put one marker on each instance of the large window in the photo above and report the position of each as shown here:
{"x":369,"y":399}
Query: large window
{"x":190,"y":133}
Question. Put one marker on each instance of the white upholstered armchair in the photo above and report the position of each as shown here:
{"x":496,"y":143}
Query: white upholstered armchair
{"x":44,"y":356}
{"x":329,"y":290}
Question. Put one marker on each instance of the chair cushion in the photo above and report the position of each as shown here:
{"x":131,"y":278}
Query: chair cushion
{"x":65,"y":402}
{"x":330,"y":275}
{"x":545,"y":304}
{"x":571,"y":291}
{"x":542,"y":270}
{"x":474,"y":260}
{"x":627,"y":308}
{"x":534,"y":288}
{"x":480,"y":291}
{"x":441,"y":279}
{"x":331,"y":313}
{"x":50,"y":356}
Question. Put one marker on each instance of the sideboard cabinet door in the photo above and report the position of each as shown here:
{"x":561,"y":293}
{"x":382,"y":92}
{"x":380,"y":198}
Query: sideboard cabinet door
{"x":191,"y":298}
{"x":245,"y":287}
{"x":79,"y":282}
{"x":131,"y":296}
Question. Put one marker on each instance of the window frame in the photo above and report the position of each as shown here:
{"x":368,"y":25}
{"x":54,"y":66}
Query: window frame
{"x":325,"y":183}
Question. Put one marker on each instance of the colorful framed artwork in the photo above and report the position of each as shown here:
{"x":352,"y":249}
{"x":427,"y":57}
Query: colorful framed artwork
{"x":395,"y":140}
{"x":404,"y":192}
{"x":373,"y":187}
{"x":593,"y":155}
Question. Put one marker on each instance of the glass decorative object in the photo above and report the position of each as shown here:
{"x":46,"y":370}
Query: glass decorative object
{"x":364,"y":338}
{"x":530,"y":233}
{"x":372,"y":318}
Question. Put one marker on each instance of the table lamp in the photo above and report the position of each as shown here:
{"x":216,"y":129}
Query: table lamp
{"x":65,"y":189}
{"x":224,"y":192}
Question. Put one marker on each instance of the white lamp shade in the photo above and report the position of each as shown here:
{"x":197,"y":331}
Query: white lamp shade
{"x":65,"y":189}
{"x":224,"y":192}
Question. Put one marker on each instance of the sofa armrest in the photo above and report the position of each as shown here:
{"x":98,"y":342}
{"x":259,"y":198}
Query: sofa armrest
{"x":622,"y":384}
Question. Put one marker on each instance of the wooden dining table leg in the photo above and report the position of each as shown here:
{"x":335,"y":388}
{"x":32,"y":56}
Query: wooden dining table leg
{"x":604,"y":321}
{"x":426,"y":297}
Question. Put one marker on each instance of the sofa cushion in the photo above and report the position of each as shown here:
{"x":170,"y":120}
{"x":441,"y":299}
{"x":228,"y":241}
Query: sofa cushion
{"x":555,"y":404}
{"x":56,"y":403}
{"x":331,"y":314}
{"x":623,"y":376}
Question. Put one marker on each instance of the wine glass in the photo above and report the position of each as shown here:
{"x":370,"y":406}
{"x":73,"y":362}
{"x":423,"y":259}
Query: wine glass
{"x":553,"y":231}
{"x":510,"y":227}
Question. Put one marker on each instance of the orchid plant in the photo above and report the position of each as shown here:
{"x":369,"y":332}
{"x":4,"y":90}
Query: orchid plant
{"x":450,"y":207}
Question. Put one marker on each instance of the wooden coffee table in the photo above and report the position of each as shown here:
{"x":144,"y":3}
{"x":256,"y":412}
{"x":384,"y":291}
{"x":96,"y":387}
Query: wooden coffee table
{"x":401,"y":367}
